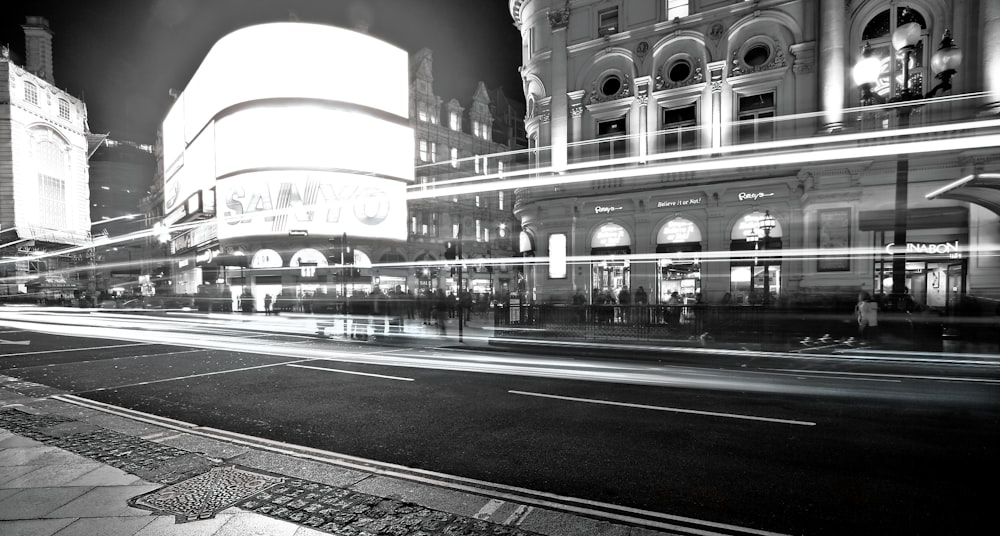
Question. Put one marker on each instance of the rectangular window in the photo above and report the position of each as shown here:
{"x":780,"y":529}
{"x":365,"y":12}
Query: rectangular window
{"x":756,"y":114}
{"x":64,"y":109}
{"x":500,"y":200}
{"x":679,"y":132}
{"x":479,"y":230}
{"x":455,"y":229}
{"x":486,"y":235}
{"x":423,"y":151}
{"x":454,"y":121}
{"x":413,"y":224}
{"x":52,"y":201}
{"x":31,"y":94}
{"x":422,"y":111}
{"x":607,"y":22}
{"x":677,"y":9}
{"x":476,"y":158}
{"x":454,"y":157}
{"x":477,"y":200}
{"x":614,"y":132}
{"x":434,"y":150}
{"x":500,"y":169}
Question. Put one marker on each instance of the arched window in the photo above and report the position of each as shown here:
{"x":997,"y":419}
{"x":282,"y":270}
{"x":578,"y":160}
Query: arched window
{"x":878,"y":34}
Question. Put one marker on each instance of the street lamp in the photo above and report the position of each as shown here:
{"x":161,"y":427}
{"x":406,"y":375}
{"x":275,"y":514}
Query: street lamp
{"x":766,"y":224}
{"x":945,"y":63}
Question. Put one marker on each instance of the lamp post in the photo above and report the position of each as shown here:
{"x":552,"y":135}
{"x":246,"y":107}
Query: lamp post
{"x":767,"y":223}
{"x":753,"y":238}
{"x":866,"y":72}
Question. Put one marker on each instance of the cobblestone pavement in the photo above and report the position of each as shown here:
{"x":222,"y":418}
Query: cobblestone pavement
{"x":198,"y":487}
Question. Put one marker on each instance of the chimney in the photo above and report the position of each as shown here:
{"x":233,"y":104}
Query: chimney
{"x":38,"y":47}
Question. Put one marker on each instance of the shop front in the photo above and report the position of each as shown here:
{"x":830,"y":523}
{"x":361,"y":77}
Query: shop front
{"x":678,"y":245}
{"x":611,"y":269}
{"x":935,"y":273}
{"x":936,"y":253}
{"x":755,"y":275}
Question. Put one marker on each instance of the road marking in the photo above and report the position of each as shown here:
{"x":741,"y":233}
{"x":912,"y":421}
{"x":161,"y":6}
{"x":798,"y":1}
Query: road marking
{"x":188,"y":377}
{"x":518,"y":516}
{"x":488,"y":509}
{"x":80,"y":349}
{"x":352,"y":372}
{"x":662,"y":408}
{"x":4,"y":341}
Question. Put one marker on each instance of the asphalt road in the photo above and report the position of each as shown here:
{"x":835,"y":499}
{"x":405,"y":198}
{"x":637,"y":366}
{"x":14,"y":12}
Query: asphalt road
{"x":792,"y":446}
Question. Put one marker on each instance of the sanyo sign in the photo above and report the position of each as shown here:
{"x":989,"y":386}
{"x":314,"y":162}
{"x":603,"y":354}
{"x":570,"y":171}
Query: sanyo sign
{"x":929,"y":248}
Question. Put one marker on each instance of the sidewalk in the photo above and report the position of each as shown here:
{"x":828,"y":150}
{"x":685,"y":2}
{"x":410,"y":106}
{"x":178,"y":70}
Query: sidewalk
{"x":70,"y":467}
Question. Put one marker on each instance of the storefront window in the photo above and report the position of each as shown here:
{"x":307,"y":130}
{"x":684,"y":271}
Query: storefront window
{"x":611,"y":274}
{"x":754,"y":278}
{"x":679,"y":269}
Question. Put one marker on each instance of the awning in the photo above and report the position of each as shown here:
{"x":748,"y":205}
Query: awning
{"x":916,"y":218}
{"x":982,"y":189}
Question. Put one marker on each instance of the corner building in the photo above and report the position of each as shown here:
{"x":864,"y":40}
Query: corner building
{"x":661,"y":132}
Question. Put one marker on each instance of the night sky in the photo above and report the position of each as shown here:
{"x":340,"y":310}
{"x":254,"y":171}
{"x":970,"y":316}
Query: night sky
{"x":122,"y":56}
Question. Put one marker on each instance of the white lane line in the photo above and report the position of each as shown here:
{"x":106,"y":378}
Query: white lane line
{"x":188,"y":377}
{"x":487,"y":510}
{"x":81,"y":349}
{"x":518,"y":516}
{"x":905,"y":376}
{"x":662,"y":408}
{"x":352,"y":372}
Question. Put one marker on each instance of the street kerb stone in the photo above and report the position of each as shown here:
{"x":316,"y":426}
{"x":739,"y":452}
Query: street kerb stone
{"x":202,"y":496}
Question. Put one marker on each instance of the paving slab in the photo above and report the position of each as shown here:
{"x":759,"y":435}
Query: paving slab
{"x":37,"y":503}
{"x":33,"y":527}
{"x":104,"y":501}
{"x":52,"y":475}
{"x":109,"y":526}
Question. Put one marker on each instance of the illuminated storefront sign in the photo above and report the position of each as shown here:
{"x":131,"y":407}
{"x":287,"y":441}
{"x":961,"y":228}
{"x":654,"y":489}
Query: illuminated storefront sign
{"x":613,"y":206}
{"x":557,"y":256}
{"x":751,"y":222}
{"x":610,"y":235}
{"x":681,"y":202}
{"x":321,"y":204}
{"x":753,"y":196}
{"x":266,"y":258}
{"x":308,"y":257}
{"x":929,"y":248}
{"x":678,"y":230}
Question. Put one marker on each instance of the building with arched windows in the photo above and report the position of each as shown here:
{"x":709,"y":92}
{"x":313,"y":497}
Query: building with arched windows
{"x":44,"y":193}
{"x":662,"y":133}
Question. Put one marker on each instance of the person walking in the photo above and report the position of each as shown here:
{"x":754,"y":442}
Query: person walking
{"x":267,"y":304}
{"x":866,"y":311}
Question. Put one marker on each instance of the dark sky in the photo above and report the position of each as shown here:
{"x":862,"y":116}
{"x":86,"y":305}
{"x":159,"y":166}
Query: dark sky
{"x":121,"y":56}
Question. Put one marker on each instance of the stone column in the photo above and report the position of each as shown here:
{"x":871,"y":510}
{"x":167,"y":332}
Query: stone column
{"x":832,"y":63}
{"x":558,"y":126}
{"x":715,"y":82}
{"x":576,"y":134}
{"x":642,"y":136}
{"x":989,"y":17}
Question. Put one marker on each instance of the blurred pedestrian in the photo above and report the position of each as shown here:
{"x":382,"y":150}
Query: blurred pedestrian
{"x":866,"y":311}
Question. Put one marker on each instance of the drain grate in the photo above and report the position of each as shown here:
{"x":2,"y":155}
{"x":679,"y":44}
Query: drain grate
{"x":201,"y":497}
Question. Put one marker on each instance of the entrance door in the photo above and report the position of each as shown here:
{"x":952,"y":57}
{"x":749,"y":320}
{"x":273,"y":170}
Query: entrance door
{"x":956,"y":285}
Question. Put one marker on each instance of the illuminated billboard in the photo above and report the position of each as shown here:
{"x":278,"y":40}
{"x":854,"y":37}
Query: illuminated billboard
{"x":310,"y":203}
{"x":291,"y":143}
